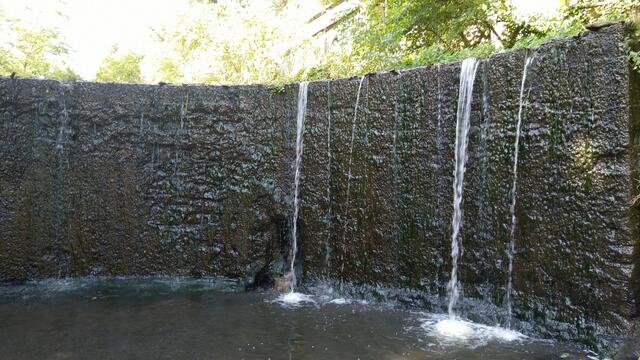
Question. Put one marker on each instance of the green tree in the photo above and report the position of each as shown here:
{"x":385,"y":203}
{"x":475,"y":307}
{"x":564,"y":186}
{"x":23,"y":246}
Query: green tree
{"x":386,"y":34}
{"x":576,"y":15}
{"x":120,"y":68}
{"x":396,"y":33}
{"x":169,"y":71}
{"x":33,"y":52}
{"x":590,"y":11}
{"x":226,"y":42}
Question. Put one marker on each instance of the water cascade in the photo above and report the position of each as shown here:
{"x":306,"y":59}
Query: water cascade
{"x":302,"y":110}
{"x":204,"y":185}
{"x":184,"y":105}
{"x":353,"y":135}
{"x":327,"y":246}
{"x":64,"y":130}
{"x":450,"y":327}
{"x":465,"y":92}
{"x":512,"y":209}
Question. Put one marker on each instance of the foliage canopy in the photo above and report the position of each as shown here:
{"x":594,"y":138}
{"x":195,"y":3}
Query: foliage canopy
{"x":32,"y":52}
{"x":399,"y":33}
{"x":123,"y":68}
{"x":240,"y":41}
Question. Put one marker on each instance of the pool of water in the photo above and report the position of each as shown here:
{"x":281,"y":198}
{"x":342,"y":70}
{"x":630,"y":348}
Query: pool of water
{"x":213,"y":319}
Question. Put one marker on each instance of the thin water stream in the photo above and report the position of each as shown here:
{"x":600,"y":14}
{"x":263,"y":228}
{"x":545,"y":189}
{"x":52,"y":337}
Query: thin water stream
{"x":302,"y":110}
{"x":353,"y":136}
{"x":514,"y":192}
{"x":467,"y":78}
{"x":327,"y":246}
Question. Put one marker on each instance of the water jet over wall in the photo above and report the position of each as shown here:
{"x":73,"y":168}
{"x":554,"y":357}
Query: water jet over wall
{"x":113,"y":179}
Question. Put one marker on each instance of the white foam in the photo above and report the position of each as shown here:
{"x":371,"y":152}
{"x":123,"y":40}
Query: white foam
{"x":453,"y":329}
{"x":340,"y":301}
{"x":457,"y":331}
{"x":294,"y":299}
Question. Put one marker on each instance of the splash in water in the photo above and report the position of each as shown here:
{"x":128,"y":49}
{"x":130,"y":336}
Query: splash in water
{"x":294,"y":299}
{"x":302,"y":110}
{"x":512,"y":209}
{"x":467,"y":77}
{"x":455,"y":332}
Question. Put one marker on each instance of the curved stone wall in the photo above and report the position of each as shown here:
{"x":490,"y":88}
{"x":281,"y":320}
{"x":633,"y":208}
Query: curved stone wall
{"x":113,"y":179}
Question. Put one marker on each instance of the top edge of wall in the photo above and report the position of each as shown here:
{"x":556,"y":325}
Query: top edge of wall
{"x":609,"y":29}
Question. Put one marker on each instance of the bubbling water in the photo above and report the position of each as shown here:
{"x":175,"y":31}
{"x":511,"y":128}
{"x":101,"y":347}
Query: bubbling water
{"x":450,"y":331}
{"x":295,"y":299}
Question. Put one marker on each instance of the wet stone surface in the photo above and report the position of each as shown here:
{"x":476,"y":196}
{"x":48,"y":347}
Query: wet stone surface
{"x":108,"y":179}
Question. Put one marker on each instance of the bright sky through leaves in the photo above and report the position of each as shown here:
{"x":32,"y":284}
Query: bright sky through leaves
{"x":92,"y":28}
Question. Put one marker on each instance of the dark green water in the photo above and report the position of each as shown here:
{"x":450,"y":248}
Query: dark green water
{"x":209,"y":319}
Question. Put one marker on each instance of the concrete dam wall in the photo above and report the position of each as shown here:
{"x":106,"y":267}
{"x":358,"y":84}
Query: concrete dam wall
{"x":114,"y":179}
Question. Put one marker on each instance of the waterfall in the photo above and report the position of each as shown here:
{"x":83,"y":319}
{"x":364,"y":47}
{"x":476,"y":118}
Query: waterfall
{"x":512,"y":209}
{"x":183,"y":110}
{"x":60,"y":184}
{"x":397,"y":118}
{"x":63,"y":131}
{"x":327,"y":247}
{"x":465,"y":92}
{"x":353,"y":135}
{"x":302,"y":110}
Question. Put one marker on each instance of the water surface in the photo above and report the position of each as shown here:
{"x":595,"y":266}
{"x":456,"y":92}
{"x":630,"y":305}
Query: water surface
{"x":213,"y":319}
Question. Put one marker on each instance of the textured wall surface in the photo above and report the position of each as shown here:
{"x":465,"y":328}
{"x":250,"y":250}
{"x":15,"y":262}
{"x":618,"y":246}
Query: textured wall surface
{"x":111,"y":179}
{"x":129,"y":179}
{"x":574,"y":236}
